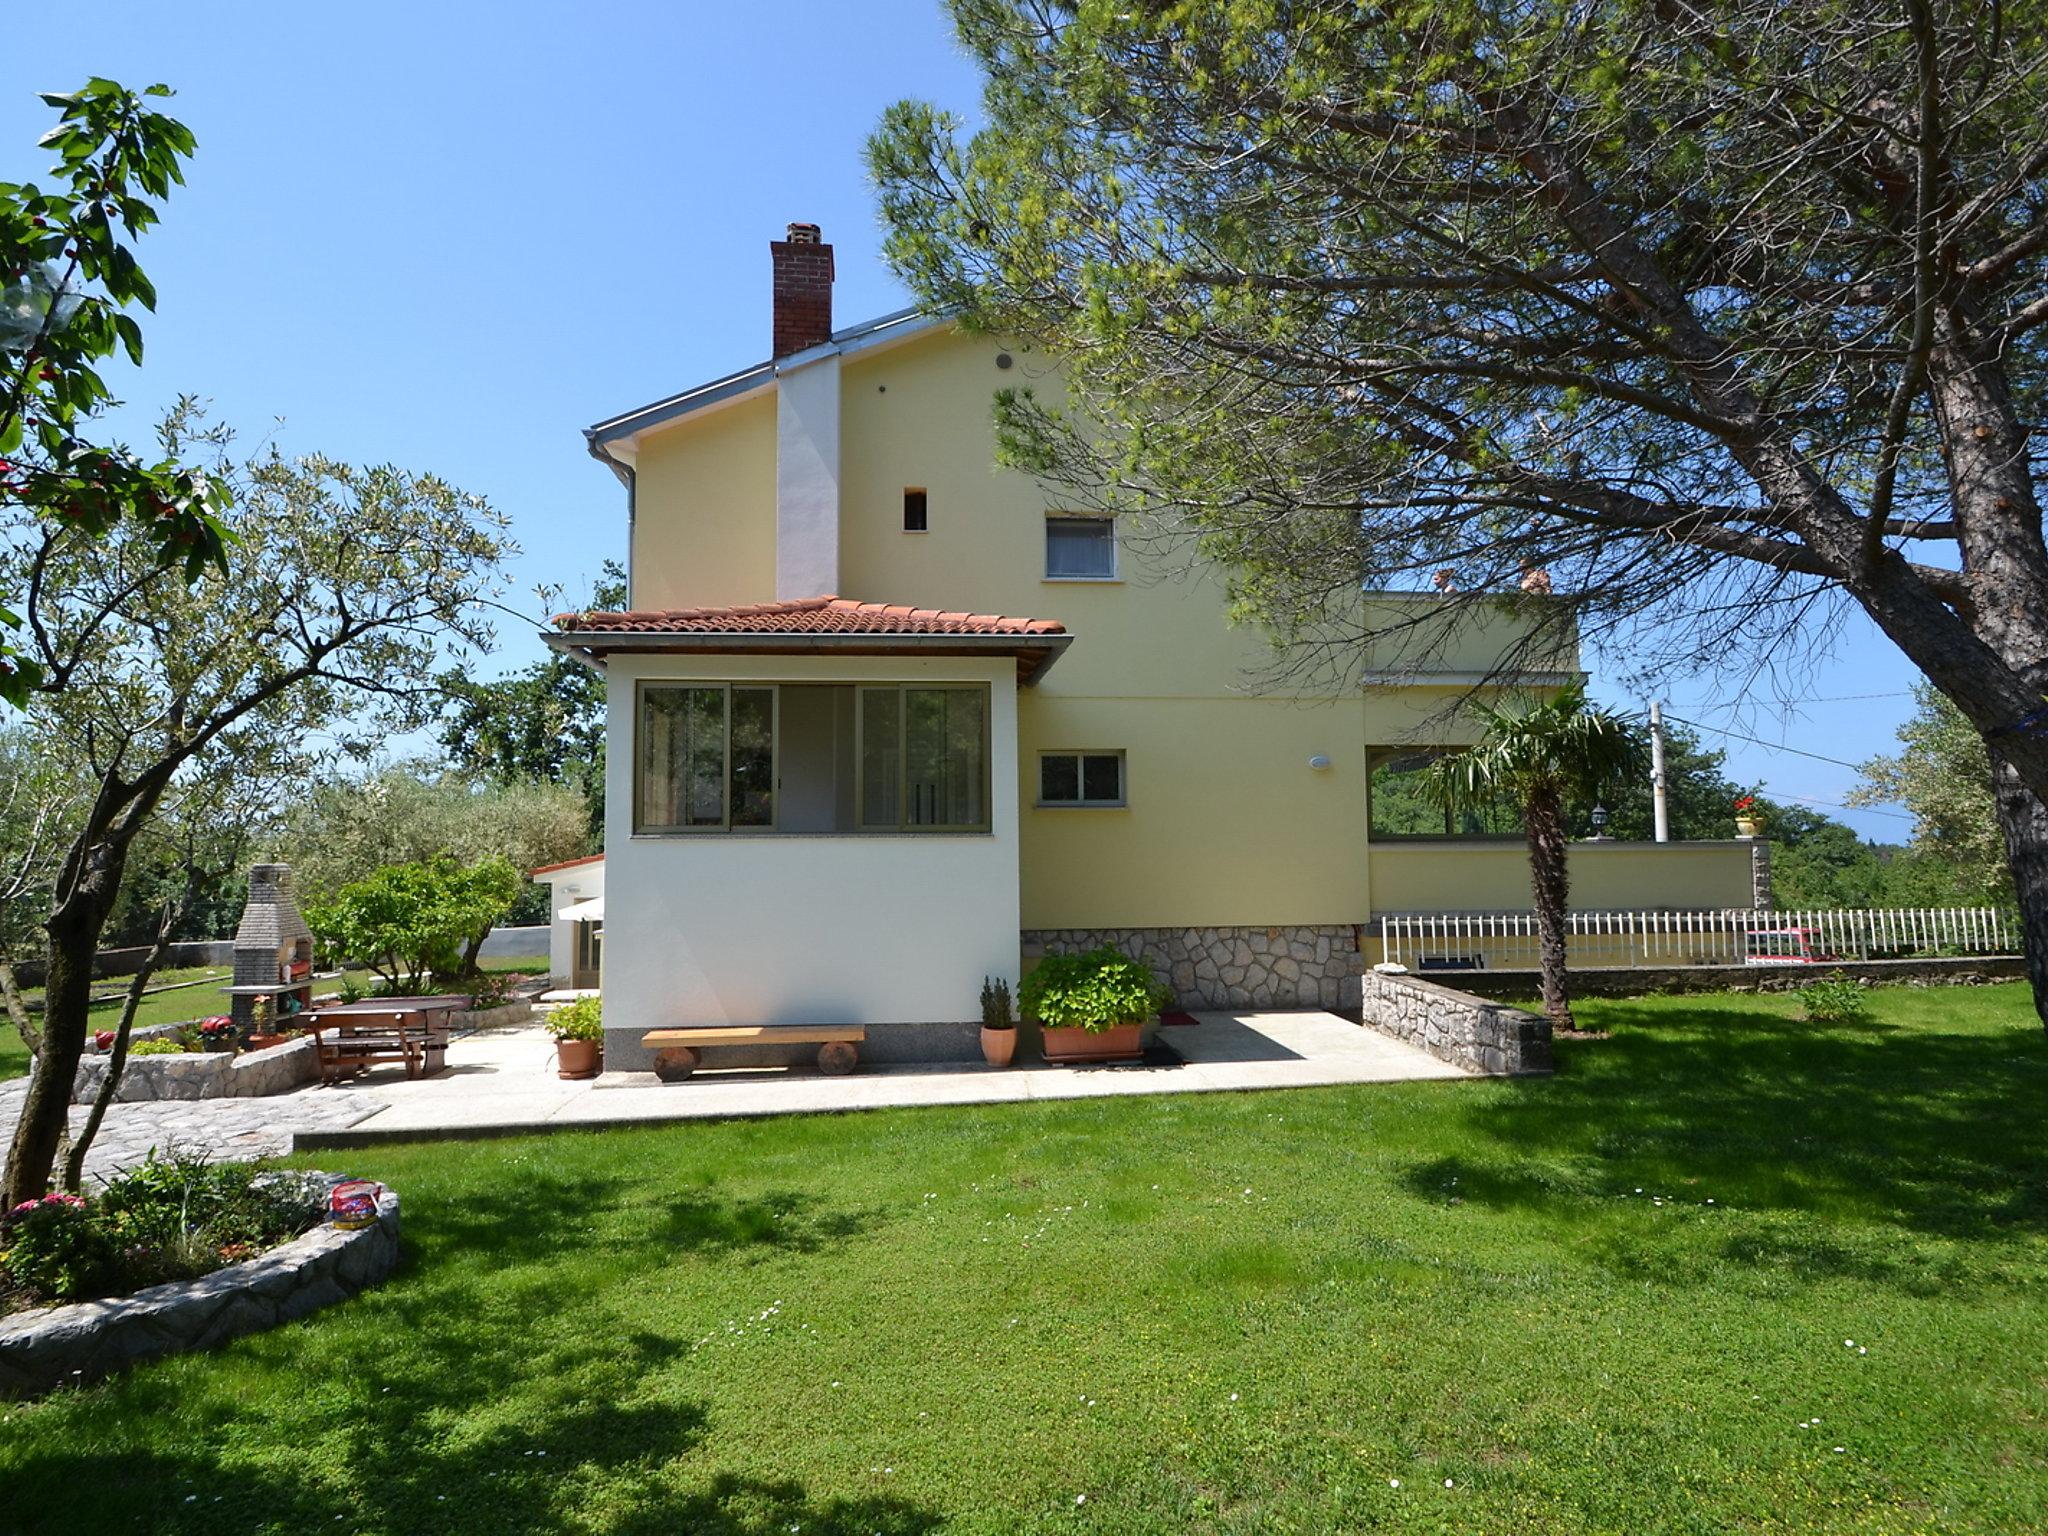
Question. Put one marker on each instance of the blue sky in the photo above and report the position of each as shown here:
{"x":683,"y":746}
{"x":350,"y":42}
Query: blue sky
{"x":449,"y":236}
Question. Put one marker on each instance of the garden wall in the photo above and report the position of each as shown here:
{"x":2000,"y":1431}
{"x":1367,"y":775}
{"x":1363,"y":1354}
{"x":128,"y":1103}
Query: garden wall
{"x":70,"y":1345}
{"x":1635,"y":981}
{"x":202,"y":1074}
{"x":1466,"y":1031}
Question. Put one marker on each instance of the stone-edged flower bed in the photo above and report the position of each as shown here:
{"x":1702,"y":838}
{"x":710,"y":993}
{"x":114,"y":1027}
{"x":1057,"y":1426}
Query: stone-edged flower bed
{"x":68,"y":1345}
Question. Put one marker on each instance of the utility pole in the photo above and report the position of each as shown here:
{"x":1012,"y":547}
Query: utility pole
{"x":1661,"y":810}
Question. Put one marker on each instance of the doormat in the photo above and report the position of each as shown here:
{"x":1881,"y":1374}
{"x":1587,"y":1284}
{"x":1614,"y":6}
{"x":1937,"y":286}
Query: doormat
{"x":1157,"y":1054}
{"x":1182,"y":1020}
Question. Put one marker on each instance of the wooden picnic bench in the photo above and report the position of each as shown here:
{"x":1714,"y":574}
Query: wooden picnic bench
{"x":352,"y":1037}
{"x":678,"y":1052}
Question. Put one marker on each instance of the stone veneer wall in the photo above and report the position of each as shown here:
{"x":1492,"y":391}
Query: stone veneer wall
{"x":1466,"y":1031}
{"x":70,"y":1345}
{"x":1286,"y":967}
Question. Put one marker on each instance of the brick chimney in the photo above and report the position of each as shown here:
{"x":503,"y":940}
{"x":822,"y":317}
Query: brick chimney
{"x":803,"y":290}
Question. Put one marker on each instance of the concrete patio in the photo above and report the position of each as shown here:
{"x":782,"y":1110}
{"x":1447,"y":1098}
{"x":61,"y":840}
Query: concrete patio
{"x":503,"y":1082}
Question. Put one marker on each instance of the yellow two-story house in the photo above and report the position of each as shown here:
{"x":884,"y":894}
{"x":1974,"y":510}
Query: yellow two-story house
{"x":885,"y":719}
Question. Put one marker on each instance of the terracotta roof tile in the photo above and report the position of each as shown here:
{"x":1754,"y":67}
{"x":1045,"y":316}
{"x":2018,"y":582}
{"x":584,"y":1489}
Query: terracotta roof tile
{"x":806,"y":616}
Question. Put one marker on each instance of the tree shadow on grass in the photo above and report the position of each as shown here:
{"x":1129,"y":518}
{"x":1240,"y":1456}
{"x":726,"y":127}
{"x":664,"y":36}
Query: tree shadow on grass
{"x":592,"y":1441}
{"x":1877,"y":1127}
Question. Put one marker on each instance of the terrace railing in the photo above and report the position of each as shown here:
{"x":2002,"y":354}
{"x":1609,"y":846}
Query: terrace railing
{"x":1732,"y":936}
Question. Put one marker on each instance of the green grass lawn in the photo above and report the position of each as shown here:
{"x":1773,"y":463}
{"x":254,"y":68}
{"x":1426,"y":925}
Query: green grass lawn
{"x":1617,"y":1300}
{"x":172,"y":1007}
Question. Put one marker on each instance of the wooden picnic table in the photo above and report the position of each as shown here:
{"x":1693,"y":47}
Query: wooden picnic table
{"x":352,"y":1037}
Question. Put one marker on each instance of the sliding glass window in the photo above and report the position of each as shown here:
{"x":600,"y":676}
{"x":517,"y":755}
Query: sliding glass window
{"x":924,"y":758}
{"x":706,"y":758}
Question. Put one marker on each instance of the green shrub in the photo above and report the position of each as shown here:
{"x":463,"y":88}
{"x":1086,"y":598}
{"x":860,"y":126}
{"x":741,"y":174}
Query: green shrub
{"x":408,"y":921}
{"x":1095,"y":991}
{"x":175,"y":1195}
{"x":580,"y":1020}
{"x":156,"y":1047}
{"x":54,"y":1249}
{"x":1833,"y":1000}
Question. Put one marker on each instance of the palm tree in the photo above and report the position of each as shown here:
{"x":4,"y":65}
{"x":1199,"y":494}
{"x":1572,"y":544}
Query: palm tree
{"x":1542,"y":756}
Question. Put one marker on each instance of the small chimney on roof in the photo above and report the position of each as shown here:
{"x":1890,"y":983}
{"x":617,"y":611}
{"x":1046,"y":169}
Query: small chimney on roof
{"x":803,"y":290}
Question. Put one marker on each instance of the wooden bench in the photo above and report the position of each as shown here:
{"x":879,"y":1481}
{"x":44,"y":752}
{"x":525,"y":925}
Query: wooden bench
{"x":678,"y":1052}
{"x":356,"y":1036}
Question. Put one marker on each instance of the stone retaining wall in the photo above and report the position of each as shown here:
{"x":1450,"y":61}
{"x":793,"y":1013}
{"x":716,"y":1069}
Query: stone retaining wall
{"x":70,"y":1345}
{"x":1286,"y":967}
{"x":202,"y":1074}
{"x":1466,"y":1031}
{"x":1635,"y":981}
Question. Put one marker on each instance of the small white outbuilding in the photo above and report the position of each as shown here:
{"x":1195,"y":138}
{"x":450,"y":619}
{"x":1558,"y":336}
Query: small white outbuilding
{"x":575,"y":922}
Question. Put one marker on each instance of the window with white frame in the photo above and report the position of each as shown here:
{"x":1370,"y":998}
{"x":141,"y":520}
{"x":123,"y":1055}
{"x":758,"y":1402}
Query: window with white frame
{"x":1079,"y":548}
{"x":1081,"y":778}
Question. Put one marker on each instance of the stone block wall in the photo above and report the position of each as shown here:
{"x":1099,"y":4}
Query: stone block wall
{"x":1639,"y":981}
{"x":1452,"y":1026}
{"x":202,"y":1074}
{"x":1282,"y":967}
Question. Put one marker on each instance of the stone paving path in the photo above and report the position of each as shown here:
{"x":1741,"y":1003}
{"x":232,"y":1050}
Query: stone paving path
{"x":221,"y":1128}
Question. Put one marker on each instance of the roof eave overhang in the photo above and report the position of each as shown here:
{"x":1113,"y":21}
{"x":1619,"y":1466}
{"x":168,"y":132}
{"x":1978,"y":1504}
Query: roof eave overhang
{"x":612,"y":441}
{"x":1035,"y":653}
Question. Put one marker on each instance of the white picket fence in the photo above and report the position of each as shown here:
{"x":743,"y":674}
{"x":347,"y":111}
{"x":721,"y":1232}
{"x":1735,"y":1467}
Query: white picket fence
{"x":1732,"y":936}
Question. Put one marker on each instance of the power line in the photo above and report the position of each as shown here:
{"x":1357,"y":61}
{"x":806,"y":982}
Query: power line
{"x":1758,"y":741}
{"x":1797,"y":752}
{"x":1836,"y":805}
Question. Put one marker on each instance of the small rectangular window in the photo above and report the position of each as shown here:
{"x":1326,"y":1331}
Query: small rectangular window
{"x":913,"y":510}
{"x":1080,"y":549}
{"x":1081,"y":778}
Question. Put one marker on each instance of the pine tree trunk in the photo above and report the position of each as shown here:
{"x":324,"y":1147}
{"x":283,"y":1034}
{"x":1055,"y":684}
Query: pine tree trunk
{"x":2024,"y":820}
{"x":1543,"y":819}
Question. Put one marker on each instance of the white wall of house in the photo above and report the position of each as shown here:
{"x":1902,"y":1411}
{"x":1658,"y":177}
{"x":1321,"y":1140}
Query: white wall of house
{"x":758,"y":928}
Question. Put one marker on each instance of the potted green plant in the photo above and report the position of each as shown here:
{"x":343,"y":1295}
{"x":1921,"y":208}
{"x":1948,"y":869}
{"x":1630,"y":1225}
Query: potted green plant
{"x":578,"y":1029}
{"x":263,"y":1030}
{"x":1092,"y":1007}
{"x":998,"y":1028}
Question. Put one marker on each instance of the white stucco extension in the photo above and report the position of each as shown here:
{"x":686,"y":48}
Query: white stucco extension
{"x":807,"y":475}
{"x":765,"y":928}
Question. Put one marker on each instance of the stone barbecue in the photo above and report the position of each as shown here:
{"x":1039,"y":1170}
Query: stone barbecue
{"x":273,"y":949}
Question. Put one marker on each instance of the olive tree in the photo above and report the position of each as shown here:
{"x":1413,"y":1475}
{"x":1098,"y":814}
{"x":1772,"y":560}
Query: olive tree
{"x":69,"y":285}
{"x":1728,"y":317}
{"x":349,"y":585}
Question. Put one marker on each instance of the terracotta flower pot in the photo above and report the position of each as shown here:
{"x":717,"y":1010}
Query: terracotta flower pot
{"x":578,"y":1058}
{"x":265,"y":1042}
{"x":1120,"y":1042}
{"x":998,"y":1046}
